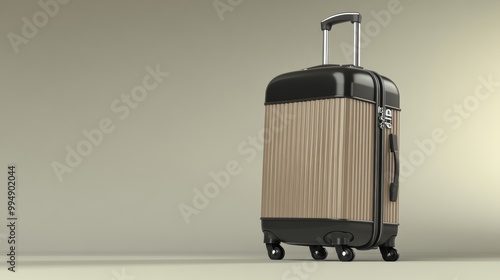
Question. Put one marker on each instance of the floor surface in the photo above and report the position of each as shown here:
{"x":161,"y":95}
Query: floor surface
{"x":367,"y":265}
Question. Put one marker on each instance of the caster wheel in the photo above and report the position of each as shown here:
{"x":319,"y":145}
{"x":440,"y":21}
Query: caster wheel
{"x":389,"y":254}
{"x":318,"y":252}
{"x":275,"y":251}
{"x":345,"y":253}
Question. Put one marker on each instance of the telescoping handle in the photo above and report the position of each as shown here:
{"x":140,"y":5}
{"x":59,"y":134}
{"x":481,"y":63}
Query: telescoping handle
{"x":327,"y":24}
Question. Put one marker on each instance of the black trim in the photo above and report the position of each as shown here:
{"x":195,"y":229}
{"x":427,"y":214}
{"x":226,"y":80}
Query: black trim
{"x":325,"y":232}
{"x":377,"y":181}
{"x":381,"y":158}
{"x":391,"y":93}
{"x":328,"y":81}
{"x":392,"y":108}
{"x":312,"y":98}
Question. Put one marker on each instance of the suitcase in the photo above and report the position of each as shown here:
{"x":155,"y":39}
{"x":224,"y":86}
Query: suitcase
{"x":331,"y":162}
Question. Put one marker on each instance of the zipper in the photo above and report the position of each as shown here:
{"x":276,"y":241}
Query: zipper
{"x":379,"y":147}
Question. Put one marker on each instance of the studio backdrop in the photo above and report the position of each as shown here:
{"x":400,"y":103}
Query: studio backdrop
{"x":136,"y":127}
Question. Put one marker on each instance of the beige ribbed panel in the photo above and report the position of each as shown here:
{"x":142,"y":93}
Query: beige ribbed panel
{"x":318,"y":161}
{"x":391,"y":208}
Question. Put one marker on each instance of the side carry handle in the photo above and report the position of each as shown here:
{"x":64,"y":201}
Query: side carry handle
{"x":326,"y":26}
{"x":395,"y":182}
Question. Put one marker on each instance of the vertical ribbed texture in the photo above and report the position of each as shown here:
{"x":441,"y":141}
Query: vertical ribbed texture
{"x":391,"y":208}
{"x":318,"y":160}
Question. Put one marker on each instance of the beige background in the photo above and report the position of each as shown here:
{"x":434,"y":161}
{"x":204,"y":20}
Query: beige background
{"x":124,"y":197}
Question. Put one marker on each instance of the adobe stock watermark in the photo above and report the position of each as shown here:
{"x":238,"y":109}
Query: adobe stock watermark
{"x":301,"y":271}
{"x":372,"y":28}
{"x":121,"y":275}
{"x":221,"y":179}
{"x":121,"y":107}
{"x":31,"y":26}
{"x":223,"y":6}
{"x":454,"y":117}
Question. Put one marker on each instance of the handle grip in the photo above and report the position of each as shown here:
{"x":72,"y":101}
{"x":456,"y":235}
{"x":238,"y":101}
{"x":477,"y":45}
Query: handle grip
{"x":326,"y":26}
{"x":328,"y":22}
{"x":393,"y":189}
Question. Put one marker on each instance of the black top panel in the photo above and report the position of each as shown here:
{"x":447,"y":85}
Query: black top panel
{"x":328,"y":81}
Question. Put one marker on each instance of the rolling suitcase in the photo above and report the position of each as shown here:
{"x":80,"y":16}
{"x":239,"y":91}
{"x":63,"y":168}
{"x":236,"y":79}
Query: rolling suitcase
{"x":331,"y":162}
